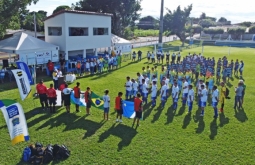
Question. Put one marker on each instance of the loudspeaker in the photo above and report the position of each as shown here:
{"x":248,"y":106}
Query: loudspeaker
{"x":5,"y":63}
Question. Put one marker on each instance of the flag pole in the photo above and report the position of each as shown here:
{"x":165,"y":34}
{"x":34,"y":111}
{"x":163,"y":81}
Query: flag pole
{"x":35,"y":25}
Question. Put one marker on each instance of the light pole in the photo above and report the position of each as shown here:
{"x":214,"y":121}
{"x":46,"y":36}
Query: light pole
{"x":160,"y":44}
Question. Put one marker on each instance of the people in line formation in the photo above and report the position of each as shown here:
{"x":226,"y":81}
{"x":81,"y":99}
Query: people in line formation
{"x":193,"y":77}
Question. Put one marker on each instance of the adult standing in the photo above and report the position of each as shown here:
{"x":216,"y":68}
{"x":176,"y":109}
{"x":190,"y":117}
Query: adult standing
{"x":138,"y":109}
{"x":66,"y":97}
{"x":50,"y":67}
{"x":61,"y":88}
{"x":62,"y":62}
{"x":148,"y":56}
{"x":241,"y":68}
{"x":52,"y":96}
{"x":55,"y":79}
{"x":128,"y":86}
{"x":163,"y":94}
{"x":77,"y":96}
{"x":178,"y":57}
{"x":42,"y":91}
{"x":87,"y":96}
{"x":152,"y":57}
{"x":222,"y":96}
{"x":140,"y":78}
{"x":139,"y":55}
{"x":238,"y":96}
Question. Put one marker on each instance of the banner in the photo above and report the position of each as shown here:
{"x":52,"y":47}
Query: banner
{"x":80,"y":102}
{"x":22,"y":83}
{"x":16,"y":122}
{"x":23,"y":66}
{"x":97,"y":101}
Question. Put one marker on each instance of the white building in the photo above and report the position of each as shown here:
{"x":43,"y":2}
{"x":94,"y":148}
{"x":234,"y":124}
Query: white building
{"x":78,"y":32}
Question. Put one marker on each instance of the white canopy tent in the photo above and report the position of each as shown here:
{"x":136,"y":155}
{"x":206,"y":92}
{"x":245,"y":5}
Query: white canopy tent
{"x":30,"y":50}
{"x":120,"y":44}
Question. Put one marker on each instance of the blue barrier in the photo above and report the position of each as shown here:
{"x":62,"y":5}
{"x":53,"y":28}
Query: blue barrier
{"x":241,"y":44}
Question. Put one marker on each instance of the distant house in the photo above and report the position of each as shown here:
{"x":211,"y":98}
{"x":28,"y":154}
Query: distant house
{"x":78,"y":33}
{"x":146,"y":23}
{"x":10,"y":33}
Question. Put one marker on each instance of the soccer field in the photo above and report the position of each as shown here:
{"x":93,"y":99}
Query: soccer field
{"x":164,"y":137}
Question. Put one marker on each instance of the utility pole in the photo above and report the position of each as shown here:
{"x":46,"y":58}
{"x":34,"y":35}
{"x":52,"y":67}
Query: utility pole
{"x":160,"y":43}
{"x":35,"y":25}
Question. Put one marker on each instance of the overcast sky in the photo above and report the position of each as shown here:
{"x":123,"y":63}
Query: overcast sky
{"x":235,"y":11}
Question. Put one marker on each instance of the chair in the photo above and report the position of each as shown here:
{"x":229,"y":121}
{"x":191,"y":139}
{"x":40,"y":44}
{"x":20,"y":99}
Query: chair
{"x":2,"y":75}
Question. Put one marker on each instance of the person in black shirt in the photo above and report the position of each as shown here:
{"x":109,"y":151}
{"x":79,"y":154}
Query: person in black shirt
{"x":139,"y":55}
{"x":62,"y":63}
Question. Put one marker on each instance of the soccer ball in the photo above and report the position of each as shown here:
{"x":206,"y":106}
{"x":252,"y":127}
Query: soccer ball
{"x":98,"y":102}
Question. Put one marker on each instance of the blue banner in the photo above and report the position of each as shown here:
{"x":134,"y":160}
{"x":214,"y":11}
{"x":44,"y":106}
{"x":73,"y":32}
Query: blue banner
{"x":23,"y":66}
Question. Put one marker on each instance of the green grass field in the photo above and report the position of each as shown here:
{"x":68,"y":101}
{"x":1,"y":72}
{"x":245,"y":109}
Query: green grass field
{"x":164,"y":137}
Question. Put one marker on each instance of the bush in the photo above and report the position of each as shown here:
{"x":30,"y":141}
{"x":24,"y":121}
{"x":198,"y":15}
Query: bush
{"x":206,"y":23}
{"x":236,"y":32}
{"x":252,"y":30}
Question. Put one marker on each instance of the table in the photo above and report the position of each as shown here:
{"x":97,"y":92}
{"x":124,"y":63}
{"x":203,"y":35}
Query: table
{"x":70,"y":78}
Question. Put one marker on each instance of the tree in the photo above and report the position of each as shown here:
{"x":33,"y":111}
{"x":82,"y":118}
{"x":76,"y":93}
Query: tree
{"x":211,"y":18}
{"x":236,"y":32}
{"x":10,"y":13}
{"x":175,"y":22}
{"x":202,"y":16}
{"x":197,"y":29}
{"x":125,"y":12}
{"x":246,"y":24}
{"x":206,"y":23}
{"x":213,"y":32}
{"x":59,"y":8}
{"x":148,"y":22}
{"x":222,"y":20}
{"x":28,"y":22}
{"x":252,"y":30}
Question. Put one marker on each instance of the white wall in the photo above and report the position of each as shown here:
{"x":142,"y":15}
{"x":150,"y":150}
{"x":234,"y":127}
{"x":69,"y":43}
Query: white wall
{"x":90,"y":21}
{"x":57,"y":21}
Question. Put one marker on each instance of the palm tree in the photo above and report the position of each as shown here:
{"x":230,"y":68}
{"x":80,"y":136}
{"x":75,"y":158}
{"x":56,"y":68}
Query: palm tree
{"x":29,"y":20}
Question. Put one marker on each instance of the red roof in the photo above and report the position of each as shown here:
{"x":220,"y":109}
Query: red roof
{"x":77,"y":12}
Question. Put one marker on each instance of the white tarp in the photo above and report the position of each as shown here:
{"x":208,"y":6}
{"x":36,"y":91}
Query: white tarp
{"x":120,"y":44}
{"x":30,"y":50}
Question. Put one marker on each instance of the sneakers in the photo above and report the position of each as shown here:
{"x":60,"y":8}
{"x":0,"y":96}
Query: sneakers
{"x":117,"y":120}
{"x":120,"y":121}
{"x":201,"y":114}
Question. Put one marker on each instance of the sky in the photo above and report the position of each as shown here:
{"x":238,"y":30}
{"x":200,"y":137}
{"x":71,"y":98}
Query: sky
{"x":235,"y":11}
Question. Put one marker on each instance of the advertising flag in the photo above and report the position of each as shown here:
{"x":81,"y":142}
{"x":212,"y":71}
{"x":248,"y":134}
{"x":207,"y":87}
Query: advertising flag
{"x":23,"y":66}
{"x":22,"y":83}
{"x":16,"y":121}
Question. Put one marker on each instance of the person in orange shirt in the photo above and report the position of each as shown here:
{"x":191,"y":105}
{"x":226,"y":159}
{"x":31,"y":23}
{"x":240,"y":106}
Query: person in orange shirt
{"x":52,"y":96}
{"x":138,"y":109}
{"x":87,"y":96}
{"x":77,"y":96}
{"x":50,"y":66}
{"x":42,"y":91}
{"x":118,"y":107}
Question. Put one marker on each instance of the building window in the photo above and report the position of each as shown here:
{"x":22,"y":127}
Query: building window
{"x":100,"y":31}
{"x":55,"y":31}
{"x":78,"y":31}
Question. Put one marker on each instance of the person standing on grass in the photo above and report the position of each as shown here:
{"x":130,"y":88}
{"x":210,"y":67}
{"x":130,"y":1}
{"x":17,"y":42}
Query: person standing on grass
{"x":175,"y":95}
{"x":138,"y":109}
{"x":61,"y":88}
{"x":106,"y":99}
{"x":42,"y":92}
{"x":78,"y":68}
{"x":52,"y":96}
{"x":106,"y":64}
{"x":215,"y":100}
{"x":148,"y":72}
{"x":87,"y":66}
{"x":91,"y":66}
{"x":144,"y":91}
{"x":190,"y":98}
{"x":241,"y":69}
{"x":128,"y":86}
{"x":238,"y":96}
{"x":66,"y":97}
{"x":236,"y":68}
{"x":135,"y":86}
{"x":167,"y":56}
{"x":87,"y":96}
{"x":148,"y":56}
{"x":244,"y":87}
{"x":62,"y":62}
{"x":203,"y":96}
{"x":163,"y":94}
{"x":133,"y":56}
{"x":185,"y":91}
{"x":118,"y":107}
{"x":162,"y":57}
{"x":222,"y":96}
{"x":154,"y":90}
{"x":140,"y":78}
{"x":55,"y":79}
{"x":173,"y":58}
{"x":152,"y":57}
{"x":50,"y":67}
{"x":178,"y":57}
{"x":77,"y":96}
{"x":139,"y":55}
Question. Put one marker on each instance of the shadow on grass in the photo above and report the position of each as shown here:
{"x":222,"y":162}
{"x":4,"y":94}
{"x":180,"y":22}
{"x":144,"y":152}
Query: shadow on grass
{"x":240,"y":115}
{"x":229,"y":84}
{"x":125,"y":133}
{"x":196,"y":116}
{"x":157,"y":114}
{"x":186,"y":121}
{"x":213,"y":129}
{"x":201,"y":125}
{"x":170,"y":115}
{"x":181,"y":111}
{"x":223,"y":119}
{"x":147,"y":110}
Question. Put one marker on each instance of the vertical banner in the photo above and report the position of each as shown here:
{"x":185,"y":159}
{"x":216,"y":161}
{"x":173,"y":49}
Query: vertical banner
{"x":22,"y":83}
{"x":23,"y":66}
{"x":16,"y":122}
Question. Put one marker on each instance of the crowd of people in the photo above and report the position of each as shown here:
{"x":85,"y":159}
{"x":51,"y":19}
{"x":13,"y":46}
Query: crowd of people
{"x":193,"y":76}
